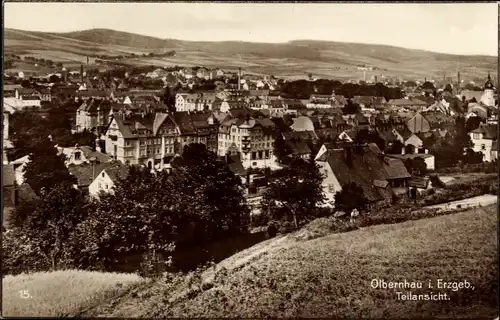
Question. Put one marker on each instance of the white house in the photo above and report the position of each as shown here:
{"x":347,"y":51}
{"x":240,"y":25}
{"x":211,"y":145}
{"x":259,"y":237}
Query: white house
{"x":483,"y":139}
{"x":105,"y":181}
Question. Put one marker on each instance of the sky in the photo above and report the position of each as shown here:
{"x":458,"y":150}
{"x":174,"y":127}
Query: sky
{"x":449,"y":28}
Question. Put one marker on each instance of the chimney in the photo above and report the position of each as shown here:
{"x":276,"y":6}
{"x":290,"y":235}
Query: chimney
{"x":239,"y":79}
{"x":376,"y":80}
{"x":81,"y":72}
{"x":87,"y":60}
{"x":426,"y":151}
{"x":403,"y":150}
{"x":459,"y":81}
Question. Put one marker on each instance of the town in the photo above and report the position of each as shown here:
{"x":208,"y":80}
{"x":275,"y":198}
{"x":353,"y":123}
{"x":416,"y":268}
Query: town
{"x":160,"y":170}
{"x":254,"y":124}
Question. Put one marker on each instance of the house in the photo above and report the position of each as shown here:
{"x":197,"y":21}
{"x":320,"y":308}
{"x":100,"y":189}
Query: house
{"x":297,"y":142}
{"x":484,"y":138}
{"x":317,"y":101}
{"x":200,"y":101}
{"x":79,"y":155}
{"x":92,"y":94}
{"x":92,"y":115}
{"x":197,"y":127}
{"x":402,"y":134}
{"x":429,"y":121}
{"x":380,"y":177}
{"x":250,"y":137}
{"x":149,"y":139}
{"x":157,"y":74}
{"x":411,"y":104}
{"x":106,"y":179}
{"x":85,"y":174}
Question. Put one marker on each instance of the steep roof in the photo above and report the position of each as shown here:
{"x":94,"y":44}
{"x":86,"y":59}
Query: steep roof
{"x":234,"y":163}
{"x":86,"y":173}
{"x":117,"y":172}
{"x":99,"y":156}
{"x":489,"y":131}
{"x":437,"y":118}
{"x":298,"y":146}
{"x":369,"y":169}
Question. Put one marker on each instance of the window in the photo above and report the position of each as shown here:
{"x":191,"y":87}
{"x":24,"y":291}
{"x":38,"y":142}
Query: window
{"x":475,"y":136}
{"x":483,"y":147}
{"x":127,"y":143}
{"x":78,"y":156}
{"x":103,"y":174}
{"x":331,"y":188}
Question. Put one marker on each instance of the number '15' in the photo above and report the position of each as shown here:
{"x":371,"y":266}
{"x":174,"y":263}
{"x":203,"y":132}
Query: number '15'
{"x":25,"y":294}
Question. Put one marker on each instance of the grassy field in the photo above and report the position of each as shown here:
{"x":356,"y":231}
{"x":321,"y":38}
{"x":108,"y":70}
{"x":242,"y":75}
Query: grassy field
{"x":54,"y":294}
{"x":330,"y":276}
{"x":294,"y":59}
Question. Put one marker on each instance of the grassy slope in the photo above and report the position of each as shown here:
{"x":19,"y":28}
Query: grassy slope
{"x":61,"y":293}
{"x":322,"y":58}
{"x":330,"y":276}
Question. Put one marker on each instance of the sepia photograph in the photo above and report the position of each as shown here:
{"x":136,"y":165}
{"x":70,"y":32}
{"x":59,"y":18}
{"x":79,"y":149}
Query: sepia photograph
{"x":250,"y":160}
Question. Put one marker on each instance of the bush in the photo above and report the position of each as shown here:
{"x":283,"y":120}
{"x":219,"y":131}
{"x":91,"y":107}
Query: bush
{"x":21,"y":255}
{"x":286,"y":227}
{"x":272,"y":230}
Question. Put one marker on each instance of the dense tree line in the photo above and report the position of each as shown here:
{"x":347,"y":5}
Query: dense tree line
{"x":303,"y":89}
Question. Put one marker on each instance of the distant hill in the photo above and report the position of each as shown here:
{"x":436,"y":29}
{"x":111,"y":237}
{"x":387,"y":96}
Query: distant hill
{"x":294,"y":58}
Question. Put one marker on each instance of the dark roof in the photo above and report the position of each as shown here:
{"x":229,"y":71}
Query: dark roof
{"x":117,"y":172}
{"x":303,"y":135}
{"x":405,"y":132}
{"x":298,"y":146}
{"x":437,"y":118}
{"x":234,"y":164}
{"x":368,"y":169}
{"x":100,"y":157}
{"x":85,"y":174}
{"x":281,"y":125}
{"x":489,"y":131}
{"x":387,"y":135}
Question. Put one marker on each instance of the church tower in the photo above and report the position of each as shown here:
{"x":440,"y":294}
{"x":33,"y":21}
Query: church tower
{"x":488,"y":97}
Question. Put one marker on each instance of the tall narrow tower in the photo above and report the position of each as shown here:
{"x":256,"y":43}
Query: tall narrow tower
{"x":81,"y":72}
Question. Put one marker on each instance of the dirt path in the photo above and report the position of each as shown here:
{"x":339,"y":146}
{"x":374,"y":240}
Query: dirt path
{"x":483,"y":200}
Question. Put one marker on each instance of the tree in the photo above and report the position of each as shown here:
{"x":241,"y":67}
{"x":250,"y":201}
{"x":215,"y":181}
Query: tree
{"x":211,"y":196}
{"x":396,"y":147}
{"x":416,"y":166}
{"x":472,"y":123}
{"x":46,"y":168}
{"x":58,"y":119}
{"x":294,"y":193}
{"x":351,"y":108}
{"x":350,"y":197}
{"x":136,"y":217}
{"x":52,"y":222}
{"x":54,"y":79}
{"x":281,"y":149}
{"x":410,"y":149}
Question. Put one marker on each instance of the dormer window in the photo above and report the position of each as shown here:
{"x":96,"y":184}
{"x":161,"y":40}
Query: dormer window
{"x":78,"y":156}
